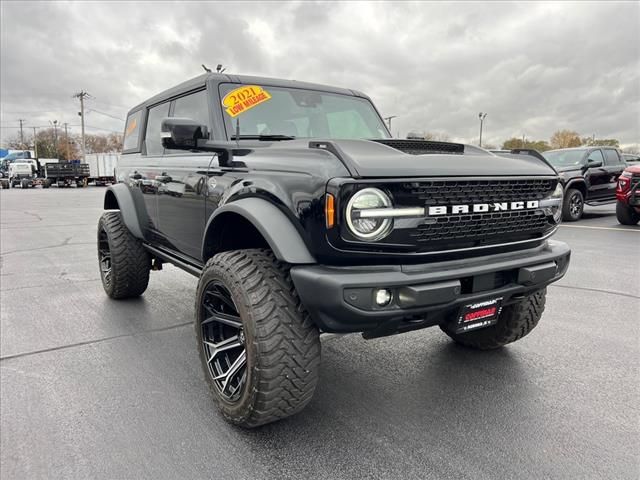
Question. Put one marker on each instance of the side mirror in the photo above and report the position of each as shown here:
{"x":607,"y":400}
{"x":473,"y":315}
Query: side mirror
{"x":181,"y":133}
{"x":591,"y":163}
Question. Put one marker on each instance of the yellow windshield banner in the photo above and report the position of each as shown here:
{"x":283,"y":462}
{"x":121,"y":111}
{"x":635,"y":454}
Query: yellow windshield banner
{"x":244,"y":98}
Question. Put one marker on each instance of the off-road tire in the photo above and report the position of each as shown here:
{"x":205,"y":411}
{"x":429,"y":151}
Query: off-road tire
{"x":515,"y":321}
{"x":567,"y":214}
{"x":130,"y":262}
{"x":626,"y":214}
{"x":282,"y":343}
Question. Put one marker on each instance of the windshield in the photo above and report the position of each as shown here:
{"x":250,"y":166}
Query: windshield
{"x":292,"y":112}
{"x":565,"y":158}
{"x":17,"y":155}
{"x":21,"y":167}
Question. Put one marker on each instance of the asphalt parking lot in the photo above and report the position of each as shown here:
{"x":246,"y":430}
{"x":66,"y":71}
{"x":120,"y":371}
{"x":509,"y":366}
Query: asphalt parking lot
{"x":94,"y":388}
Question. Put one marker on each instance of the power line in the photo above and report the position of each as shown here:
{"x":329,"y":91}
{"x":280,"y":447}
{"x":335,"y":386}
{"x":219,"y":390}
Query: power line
{"x":103,"y":113}
{"x":16,"y":127}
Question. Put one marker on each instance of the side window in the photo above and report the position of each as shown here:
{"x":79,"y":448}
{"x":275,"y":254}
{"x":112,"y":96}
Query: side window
{"x":152,"y":134}
{"x":193,"y":106}
{"x":612,"y":157}
{"x":596,"y":156}
{"x":132,"y":131}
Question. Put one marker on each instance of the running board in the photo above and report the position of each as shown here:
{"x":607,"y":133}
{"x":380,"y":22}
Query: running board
{"x":174,"y":259}
{"x":595,"y":203}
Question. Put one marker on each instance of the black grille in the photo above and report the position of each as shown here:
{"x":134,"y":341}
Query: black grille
{"x":422,"y":147}
{"x":485,"y":226}
{"x":463,"y":192}
{"x":467,"y":230}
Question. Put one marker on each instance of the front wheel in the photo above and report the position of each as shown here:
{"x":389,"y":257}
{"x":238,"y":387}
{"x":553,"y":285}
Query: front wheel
{"x":626,"y":214}
{"x":258,"y":347}
{"x":515,"y":321}
{"x":573,"y":205}
{"x":24,"y":184}
{"x":124,"y":263}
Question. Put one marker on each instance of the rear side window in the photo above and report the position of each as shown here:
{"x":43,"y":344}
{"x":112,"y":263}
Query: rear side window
{"x":152,"y":139}
{"x":611,"y":157}
{"x":132,"y":131}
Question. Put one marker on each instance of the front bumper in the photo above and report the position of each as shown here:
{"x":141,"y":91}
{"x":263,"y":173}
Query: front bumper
{"x":341,"y":299}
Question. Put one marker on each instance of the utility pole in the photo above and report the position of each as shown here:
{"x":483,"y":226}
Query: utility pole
{"x":388,"y":119}
{"x":66,"y":139}
{"x":523,"y":140}
{"x":35,"y":142}
{"x":21,"y":134}
{"x":55,"y":135}
{"x":481,"y":116}
{"x":82,"y":95}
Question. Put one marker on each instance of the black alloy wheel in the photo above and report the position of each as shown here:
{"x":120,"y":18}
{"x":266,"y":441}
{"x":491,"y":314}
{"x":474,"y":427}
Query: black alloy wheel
{"x":223,"y":341}
{"x":258,"y":347}
{"x":104,"y":257}
{"x":575,"y":205}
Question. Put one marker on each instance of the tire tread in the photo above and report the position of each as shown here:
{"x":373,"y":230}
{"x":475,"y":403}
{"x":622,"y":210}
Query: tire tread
{"x":130,"y":262}
{"x":286,"y":340}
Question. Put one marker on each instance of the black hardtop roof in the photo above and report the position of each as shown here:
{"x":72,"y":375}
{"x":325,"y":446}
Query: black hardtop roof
{"x":201,"y":81}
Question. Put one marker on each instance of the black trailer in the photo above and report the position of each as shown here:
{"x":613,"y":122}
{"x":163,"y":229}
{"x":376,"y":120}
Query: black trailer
{"x":65,"y":174}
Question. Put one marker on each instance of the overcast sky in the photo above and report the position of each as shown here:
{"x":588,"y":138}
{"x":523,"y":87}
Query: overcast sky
{"x":534,"y":67}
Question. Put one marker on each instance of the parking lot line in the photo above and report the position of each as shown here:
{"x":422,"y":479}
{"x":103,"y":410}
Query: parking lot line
{"x":602,"y":228}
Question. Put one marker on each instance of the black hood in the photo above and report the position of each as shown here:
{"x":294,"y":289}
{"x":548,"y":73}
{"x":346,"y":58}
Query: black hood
{"x":374,"y":159}
{"x":570,"y":168}
{"x":366,"y":159}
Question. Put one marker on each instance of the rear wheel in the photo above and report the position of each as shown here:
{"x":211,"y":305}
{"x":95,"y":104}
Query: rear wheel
{"x":124,"y":263}
{"x":46,"y":183}
{"x":24,"y":184}
{"x":573,"y":205}
{"x":258,"y":347}
{"x":515,"y":321}
{"x":626,"y":214}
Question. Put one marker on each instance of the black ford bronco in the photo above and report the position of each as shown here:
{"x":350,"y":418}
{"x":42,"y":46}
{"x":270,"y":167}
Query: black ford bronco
{"x":300,"y":214}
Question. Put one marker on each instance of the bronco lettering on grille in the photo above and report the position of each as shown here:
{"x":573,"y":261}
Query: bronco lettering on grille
{"x":482,"y":207}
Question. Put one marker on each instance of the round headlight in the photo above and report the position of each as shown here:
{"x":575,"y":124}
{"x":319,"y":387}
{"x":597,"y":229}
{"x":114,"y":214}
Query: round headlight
{"x":363,"y":227}
{"x":556,"y":210}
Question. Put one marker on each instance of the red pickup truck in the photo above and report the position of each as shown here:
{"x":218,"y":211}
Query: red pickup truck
{"x":628,"y":196}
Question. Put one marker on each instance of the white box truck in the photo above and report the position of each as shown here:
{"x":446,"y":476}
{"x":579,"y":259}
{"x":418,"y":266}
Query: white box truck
{"x":102,"y":167}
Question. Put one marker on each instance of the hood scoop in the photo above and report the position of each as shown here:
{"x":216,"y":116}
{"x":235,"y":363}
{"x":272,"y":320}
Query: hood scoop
{"x":422,"y":147}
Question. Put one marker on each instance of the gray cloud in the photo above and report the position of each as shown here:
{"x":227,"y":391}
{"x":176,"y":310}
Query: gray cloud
{"x":534,"y":67}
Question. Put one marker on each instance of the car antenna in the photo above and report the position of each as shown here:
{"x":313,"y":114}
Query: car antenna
{"x":238,"y":132}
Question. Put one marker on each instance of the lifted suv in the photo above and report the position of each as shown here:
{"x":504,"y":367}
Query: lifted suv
{"x":300,"y":214}
{"x":588,"y":174}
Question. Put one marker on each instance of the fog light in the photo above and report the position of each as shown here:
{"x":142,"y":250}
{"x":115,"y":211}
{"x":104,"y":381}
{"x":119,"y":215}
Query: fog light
{"x":383,"y":297}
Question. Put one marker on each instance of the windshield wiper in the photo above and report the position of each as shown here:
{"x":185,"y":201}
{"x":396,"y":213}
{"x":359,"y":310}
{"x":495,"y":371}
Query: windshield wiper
{"x":262,"y":138}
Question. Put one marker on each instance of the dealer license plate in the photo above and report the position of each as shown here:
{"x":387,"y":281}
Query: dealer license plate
{"x":479,"y":315}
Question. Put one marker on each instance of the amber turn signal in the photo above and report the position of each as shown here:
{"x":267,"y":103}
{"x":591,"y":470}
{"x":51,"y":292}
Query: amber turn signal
{"x":329,"y":210}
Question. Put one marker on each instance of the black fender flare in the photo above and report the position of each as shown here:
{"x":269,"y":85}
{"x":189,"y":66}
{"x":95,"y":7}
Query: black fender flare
{"x":283,"y":238}
{"x":131,"y":206}
{"x":577,"y":182}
